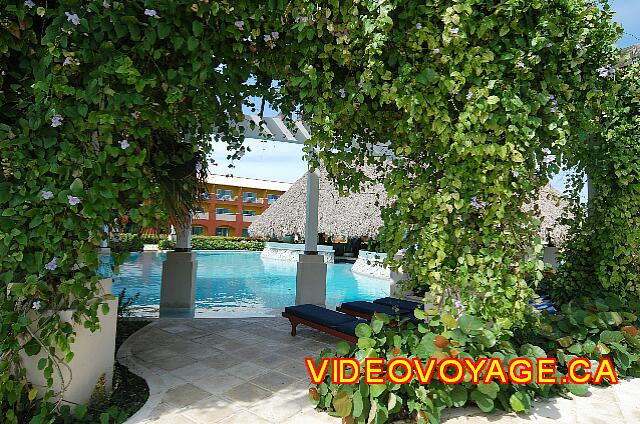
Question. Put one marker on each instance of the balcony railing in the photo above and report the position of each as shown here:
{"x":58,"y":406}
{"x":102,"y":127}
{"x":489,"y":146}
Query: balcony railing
{"x":201,"y":215}
{"x":223,"y":197}
{"x":250,"y":218}
{"x":226,"y":216}
{"x":254,"y":200}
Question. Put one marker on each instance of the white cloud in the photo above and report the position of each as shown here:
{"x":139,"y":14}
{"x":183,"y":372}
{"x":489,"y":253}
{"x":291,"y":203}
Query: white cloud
{"x":267,"y":160}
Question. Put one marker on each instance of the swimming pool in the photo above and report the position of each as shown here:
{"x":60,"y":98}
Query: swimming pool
{"x":232,"y":283}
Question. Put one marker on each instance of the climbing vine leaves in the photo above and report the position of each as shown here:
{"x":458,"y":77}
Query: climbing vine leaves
{"x":465,"y":108}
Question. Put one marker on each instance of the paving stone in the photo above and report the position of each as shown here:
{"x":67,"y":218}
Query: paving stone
{"x":219,"y":383}
{"x":245,"y":417}
{"x":211,"y":410}
{"x":222,"y":361}
{"x":185,"y":395}
{"x":247,"y":370}
{"x":273,"y":381}
{"x":174,"y":362}
{"x":195,"y":371}
{"x":247,"y":394}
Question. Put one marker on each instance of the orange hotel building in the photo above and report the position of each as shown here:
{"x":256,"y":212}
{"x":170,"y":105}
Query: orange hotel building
{"x":233,"y":203}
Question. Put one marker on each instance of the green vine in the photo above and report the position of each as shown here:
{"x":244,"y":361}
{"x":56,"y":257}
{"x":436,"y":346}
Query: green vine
{"x":603,"y":247}
{"x":464,"y":108}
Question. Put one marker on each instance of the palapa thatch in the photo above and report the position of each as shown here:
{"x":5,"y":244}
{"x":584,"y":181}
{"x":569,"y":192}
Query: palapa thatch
{"x":633,"y":52}
{"x":357,"y":215}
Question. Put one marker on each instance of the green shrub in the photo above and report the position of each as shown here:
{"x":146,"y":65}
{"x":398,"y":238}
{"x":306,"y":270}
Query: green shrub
{"x":126,"y":242}
{"x":443,"y":337}
{"x":152,"y":238}
{"x":217,"y":243}
{"x":591,"y":328}
{"x":586,"y":329}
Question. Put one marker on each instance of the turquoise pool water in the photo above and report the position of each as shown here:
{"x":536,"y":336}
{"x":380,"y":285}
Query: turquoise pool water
{"x":240,"y":284}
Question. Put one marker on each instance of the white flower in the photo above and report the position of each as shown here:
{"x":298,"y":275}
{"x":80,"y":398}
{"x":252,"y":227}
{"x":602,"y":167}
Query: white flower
{"x":124,"y":144}
{"x":267,"y":38}
{"x":521,"y":64}
{"x":73,"y":18}
{"x":342,"y":92}
{"x":275,"y":35}
{"x":469,"y":95}
{"x":135,"y":115}
{"x":549,"y":45}
{"x":106,"y":4}
{"x":36,"y":305}
{"x":549,"y":158}
{"x":67,"y":61}
{"x":515,"y":174}
{"x":578,"y":46}
{"x":436,"y":50}
{"x":454,"y":31}
{"x":239,"y":25}
{"x":478,"y":204}
{"x":418,"y":25}
{"x":546,"y":151}
{"x":51,"y":265}
{"x":56,"y":120}
{"x":150,"y":12}
{"x":29,"y":4}
{"x":73,"y":200}
{"x":46,"y":195}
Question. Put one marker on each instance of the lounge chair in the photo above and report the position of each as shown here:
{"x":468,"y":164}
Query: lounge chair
{"x":386,"y":305}
{"x":331,"y":322}
{"x":543,"y":303}
{"x":400,"y":303}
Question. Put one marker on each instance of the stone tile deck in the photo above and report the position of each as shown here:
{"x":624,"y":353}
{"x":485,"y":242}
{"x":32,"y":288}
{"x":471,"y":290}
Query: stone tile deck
{"x":205,"y":371}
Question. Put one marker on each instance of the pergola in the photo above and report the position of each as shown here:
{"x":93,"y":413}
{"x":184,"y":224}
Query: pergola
{"x":177,"y":296}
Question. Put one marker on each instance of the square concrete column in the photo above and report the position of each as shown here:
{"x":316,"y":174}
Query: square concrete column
{"x":178,"y":291}
{"x":311,"y":280}
{"x":311,"y":276}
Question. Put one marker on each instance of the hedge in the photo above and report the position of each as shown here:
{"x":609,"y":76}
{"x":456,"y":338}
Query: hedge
{"x":217,"y":243}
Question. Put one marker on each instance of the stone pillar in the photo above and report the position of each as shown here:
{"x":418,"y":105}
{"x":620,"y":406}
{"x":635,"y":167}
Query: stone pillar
{"x":311,"y":276}
{"x":178,"y":291}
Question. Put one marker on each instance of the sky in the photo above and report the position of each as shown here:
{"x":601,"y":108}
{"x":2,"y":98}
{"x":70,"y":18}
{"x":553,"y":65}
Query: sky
{"x":284,"y":161}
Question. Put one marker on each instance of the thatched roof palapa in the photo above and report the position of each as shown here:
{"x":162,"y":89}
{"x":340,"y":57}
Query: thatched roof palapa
{"x":633,"y":52}
{"x":357,"y":215}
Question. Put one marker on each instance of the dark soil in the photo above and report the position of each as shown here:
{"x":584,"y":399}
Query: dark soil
{"x":130,"y":391}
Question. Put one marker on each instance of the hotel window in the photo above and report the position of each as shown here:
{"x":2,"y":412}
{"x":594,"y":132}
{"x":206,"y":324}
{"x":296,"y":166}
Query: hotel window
{"x":222,"y":231}
{"x":249,"y":197}
{"x":197,"y":230}
{"x":247,"y":212}
{"x":224,"y":211}
{"x":245,"y":232}
{"x":272,"y":198}
{"x":223,"y":194}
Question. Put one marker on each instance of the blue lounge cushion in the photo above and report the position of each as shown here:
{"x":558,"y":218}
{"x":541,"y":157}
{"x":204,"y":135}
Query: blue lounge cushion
{"x":400,"y":303}
{"x":370,"y":308}
{"x":349,"y":327}
{"x":319,"y":315}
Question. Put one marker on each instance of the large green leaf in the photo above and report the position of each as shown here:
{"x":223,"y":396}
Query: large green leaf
{"x":342,"y":403}
{"x":484,"y":402}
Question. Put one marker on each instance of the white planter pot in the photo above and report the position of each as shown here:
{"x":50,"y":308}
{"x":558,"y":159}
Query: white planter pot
{"x":93,"y":357}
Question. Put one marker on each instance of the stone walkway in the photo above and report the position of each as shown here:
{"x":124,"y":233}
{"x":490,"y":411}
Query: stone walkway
{"x":204,"y":371}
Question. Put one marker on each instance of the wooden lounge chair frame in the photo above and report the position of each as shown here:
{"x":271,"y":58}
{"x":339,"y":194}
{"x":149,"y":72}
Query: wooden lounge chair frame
{"x":295,"y":320}
{"x":353,"y":313}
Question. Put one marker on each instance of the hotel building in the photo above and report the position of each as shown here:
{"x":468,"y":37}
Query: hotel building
{"x":233,"y":203}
